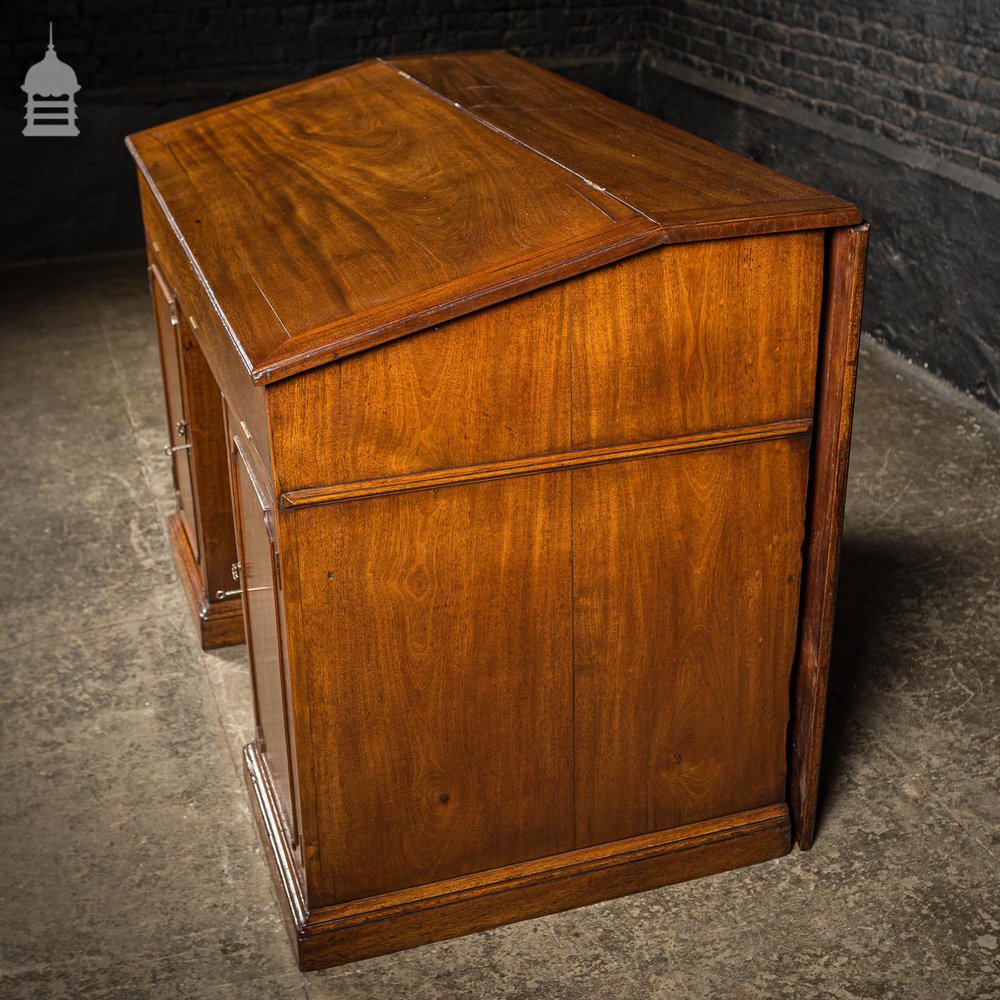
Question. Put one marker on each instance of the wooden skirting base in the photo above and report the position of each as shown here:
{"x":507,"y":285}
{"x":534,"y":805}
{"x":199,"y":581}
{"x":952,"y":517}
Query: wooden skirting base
{"x":348,"y":932}
{"x":219,"y":623}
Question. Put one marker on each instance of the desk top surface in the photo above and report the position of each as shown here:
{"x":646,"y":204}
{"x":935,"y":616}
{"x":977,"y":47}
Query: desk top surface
{"x":342,"y":212}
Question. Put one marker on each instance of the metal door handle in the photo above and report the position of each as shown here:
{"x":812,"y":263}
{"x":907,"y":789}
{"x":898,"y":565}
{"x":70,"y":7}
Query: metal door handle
{"x":222,"y":595}
{"x":169,"y":449}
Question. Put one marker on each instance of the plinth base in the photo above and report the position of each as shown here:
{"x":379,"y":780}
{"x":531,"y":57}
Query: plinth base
{"x":364,"y":928}
{"x":219,"y":623}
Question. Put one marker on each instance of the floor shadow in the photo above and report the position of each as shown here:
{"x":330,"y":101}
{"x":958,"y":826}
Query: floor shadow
{"x":876,"y":579}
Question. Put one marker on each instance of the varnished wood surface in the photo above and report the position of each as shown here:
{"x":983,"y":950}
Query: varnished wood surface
{"x":207,"y":458}
{"x":383,"y":324}
{"x":165,"y":310}
{"x":580,"y":458}
{"x":202,"y":319}
{"x":385,"y":209}
{"x":686,"y":583}
{"x":676,"y":341}
{"x":691,"y":338}
{"x":201,"y":532}
{"x":349,"y":932}
{"x":845,"y":279}
{"x":692,"y":188}
{"x":376,"y":191}
{"x":437,"y":630}
{"x":394,"y":410}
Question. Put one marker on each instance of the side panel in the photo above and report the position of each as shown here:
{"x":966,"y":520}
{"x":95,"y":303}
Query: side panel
{"x":686,"y":579}
{"x":675,"y":341}
{"x":435,"y":631}
{"x":487,"y":387}
{"x":845,"y":283}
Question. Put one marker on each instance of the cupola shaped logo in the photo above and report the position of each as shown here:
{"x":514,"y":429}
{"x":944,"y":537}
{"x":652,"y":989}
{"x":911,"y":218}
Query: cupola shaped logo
{"x":51,"y":88}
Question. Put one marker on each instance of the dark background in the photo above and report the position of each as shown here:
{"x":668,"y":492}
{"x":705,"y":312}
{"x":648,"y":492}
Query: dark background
{"x":893,"y":105}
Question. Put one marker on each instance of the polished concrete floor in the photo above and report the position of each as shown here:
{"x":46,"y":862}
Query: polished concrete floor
{"x":129,"y":866}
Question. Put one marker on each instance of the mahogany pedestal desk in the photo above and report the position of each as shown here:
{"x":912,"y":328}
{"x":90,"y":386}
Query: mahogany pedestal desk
{"x":535,"y":413}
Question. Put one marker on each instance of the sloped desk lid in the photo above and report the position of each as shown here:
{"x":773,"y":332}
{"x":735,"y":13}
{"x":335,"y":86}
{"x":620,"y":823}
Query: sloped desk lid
{"x":339,"y":213}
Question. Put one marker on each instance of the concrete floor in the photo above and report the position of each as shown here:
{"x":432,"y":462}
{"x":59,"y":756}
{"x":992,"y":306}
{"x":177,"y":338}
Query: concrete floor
{"x":130,"y":866}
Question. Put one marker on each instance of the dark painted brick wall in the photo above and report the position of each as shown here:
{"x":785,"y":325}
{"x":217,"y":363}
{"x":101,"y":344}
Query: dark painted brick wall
{"x":138,"y":47}
{"x":894,"y":105}
{"x":924,"y":73}
{"x":932,"y":291}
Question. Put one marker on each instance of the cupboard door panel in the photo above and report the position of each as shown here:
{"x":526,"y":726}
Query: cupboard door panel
{"x":165,"y":307}
{"x":264,"y":643}
{"x":686,"y":582}
{"x":208,"y":464}
{"x":436,"y":630}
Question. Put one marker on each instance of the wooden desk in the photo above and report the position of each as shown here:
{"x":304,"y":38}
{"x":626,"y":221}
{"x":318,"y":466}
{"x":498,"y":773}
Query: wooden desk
{"x":536,"y":413}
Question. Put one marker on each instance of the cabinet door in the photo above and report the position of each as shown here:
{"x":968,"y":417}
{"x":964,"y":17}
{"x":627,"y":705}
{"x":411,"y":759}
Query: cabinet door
{"x":165,"y":306}
{"x":260,"y":578}
{"x":207,"y":461}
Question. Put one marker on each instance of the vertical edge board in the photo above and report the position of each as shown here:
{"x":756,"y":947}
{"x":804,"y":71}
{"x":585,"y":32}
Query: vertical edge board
{"x":844,"y":288}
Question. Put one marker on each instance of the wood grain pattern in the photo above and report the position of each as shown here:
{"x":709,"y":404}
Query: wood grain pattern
{"x":692,"y":188}
{"x":527,"y":615}
{"x":691,"y":338}
{"x":579,"y":458}
{"x":375,"y":191}
{"x":845,"y":279}
{"x":348,"y":932}
{"x":383,"y":324}
{"x":394,"y":410}
{"x":676,"y":341}
{"x":436,"y":626}
{"x":385,"y":209}
{"x":685,"y":608}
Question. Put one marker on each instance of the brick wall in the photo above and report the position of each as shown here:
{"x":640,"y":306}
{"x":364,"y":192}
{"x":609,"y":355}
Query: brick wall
{"x":893,"y":105}
{"x":923,"y":73}
{"x":148,"y":47}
